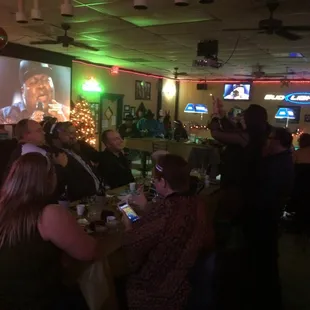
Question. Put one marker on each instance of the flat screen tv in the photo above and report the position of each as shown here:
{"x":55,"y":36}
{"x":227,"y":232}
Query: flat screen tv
{"x":196,"y":108}
{"x":296,"y":110}
{"x":33,"y":90}
{"x":237,"y":91}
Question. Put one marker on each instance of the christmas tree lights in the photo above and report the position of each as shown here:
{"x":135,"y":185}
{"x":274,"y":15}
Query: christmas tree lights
{"x":83,"y":121}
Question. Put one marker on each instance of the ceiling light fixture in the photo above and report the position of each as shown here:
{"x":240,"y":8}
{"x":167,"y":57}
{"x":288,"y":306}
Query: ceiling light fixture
{"x":140,"y":4}
{"x":36,"y":12}
{"x":66,"y":8}
{"x":20,"y":15}
{"x":206,"y":1}
{"x":181,"y":2}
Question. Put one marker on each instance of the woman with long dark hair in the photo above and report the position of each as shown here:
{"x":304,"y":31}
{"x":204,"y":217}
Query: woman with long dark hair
{"x":33,"y":238}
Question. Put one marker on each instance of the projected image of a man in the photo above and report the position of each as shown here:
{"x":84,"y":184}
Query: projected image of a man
{"x":38,"y":96}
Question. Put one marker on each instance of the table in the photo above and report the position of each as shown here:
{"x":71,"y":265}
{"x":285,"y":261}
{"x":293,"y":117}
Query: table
{"x":182,"y":149}
{"x":113,"y":257}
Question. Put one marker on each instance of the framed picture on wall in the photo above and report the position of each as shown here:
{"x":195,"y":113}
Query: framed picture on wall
{"x":307,"y":118}
{"x":133,"y":111}
{"x":127,"y":114}
{"x":142,"y":90}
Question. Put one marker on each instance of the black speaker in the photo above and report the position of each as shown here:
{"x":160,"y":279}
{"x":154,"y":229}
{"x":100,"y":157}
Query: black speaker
{"x":208,"y":49}
{"x":202,"y":86}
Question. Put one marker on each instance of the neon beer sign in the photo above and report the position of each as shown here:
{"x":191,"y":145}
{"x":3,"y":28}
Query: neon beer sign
{"x":297,"y":98}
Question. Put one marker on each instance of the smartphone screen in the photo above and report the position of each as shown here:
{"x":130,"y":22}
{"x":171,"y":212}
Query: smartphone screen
{"x":131,"y":214}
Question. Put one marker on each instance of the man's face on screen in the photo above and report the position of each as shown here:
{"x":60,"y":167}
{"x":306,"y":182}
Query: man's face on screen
{"x":38,"y":88}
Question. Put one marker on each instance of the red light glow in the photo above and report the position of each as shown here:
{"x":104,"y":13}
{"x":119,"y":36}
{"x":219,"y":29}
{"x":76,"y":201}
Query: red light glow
{"x":110,"y":68}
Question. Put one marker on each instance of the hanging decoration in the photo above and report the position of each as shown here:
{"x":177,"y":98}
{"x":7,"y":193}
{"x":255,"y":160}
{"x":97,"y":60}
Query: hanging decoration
{"x":82,"y":119}
{"x":199,"y":127}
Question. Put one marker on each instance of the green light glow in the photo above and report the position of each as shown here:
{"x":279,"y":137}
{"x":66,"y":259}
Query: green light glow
{"x":92,"y":85}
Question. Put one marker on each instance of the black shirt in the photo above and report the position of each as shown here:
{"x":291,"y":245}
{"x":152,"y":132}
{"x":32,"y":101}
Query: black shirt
{"x":115,"y":170}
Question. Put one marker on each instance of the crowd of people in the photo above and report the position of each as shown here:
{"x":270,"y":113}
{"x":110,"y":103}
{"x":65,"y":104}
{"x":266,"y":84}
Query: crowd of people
{"x":37,"y":233}
{"x":168,"y":247}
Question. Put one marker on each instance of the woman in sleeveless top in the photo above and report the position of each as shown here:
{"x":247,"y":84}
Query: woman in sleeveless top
{"x":33,"y":238}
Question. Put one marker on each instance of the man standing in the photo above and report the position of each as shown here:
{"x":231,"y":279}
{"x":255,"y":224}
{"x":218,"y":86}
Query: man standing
{"x":265,"y":200}
{"x":38,"y":96}
{"x":114,"y":167}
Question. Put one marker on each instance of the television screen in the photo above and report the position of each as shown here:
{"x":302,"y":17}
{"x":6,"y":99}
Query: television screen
{"x":196,"y":108}
{"x":240,"y":91}
{"x":33,"y":90}
{"x":292,"y":120}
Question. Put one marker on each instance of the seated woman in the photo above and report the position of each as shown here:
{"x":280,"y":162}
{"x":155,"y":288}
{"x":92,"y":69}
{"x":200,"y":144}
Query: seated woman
{"x":34,"y":237}
{"x":164,"y":244}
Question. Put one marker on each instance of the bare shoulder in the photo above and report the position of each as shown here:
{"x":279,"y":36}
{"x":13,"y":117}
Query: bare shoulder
{"x":54,"y":211}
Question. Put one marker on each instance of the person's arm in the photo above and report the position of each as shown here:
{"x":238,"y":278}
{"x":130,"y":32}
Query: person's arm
{"x":142,"y":237}
{"x":58,"y":226}
{"x":238,"y":138}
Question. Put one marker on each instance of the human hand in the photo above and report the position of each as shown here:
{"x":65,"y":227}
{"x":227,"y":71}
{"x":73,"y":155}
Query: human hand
{"x":139,"y":198}
{"x":55,"y":109}
{"x":60,"y":159}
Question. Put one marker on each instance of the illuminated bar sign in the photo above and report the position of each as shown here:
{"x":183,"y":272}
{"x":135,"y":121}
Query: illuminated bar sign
{"x":297,"y":98}
{"x":91,"y":85}
{"x":196,"y":108}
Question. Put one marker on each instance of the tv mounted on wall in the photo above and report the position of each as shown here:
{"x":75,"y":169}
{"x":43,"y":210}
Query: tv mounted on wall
{"x":237,"y":91}
{"x":33,"y":90}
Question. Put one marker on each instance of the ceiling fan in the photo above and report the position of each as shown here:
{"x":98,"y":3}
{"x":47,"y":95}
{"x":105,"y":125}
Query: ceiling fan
{"x":176,"y":73}
{"x":258,"y":73}
{"x":275,"y":26}
{"x":65,"y":40}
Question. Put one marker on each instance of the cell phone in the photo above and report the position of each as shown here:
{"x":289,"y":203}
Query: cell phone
{"x":130,"y":213}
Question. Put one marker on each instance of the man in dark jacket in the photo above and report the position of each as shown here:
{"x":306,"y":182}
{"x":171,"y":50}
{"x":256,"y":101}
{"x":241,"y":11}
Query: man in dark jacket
{"x":114,"y":167}
{"x":264,"y":203}
{"x":78,"y":174}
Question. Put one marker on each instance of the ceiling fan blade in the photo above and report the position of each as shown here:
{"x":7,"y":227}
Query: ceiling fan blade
{"x":84,"y":45}
{"x":44,"y":42}
{"x":297,"y":28}
{"x":241,"y":29}
{"x":282,"y":32}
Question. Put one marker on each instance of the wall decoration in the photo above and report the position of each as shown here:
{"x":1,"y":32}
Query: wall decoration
{"x":297,"y":98}
{"x":142,"y":90}
{"x":133,"y":111}
{"x":108,"y":113}
{"x":127,"y":114}
{"x":307,"y":118}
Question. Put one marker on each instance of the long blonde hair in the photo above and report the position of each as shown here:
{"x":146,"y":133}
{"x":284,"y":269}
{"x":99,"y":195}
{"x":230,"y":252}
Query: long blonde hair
{"x":23,"y":196}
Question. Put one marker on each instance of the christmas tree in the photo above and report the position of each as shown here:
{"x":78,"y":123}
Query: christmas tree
{"x":83,"y":121}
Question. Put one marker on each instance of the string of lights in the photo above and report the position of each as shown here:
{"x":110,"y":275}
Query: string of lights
{"x":82,"y":119}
